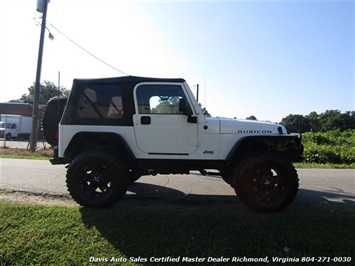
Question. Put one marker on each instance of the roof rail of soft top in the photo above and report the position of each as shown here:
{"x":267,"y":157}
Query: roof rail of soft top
{"x":127,"y":79}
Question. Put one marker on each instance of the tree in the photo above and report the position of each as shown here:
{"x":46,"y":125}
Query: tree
{"x":204,"y":111}
{"x":334,"y":119}
{"x":314,"y":123}
{"x":170,"y":105}
{"x":252,"y":117}
{"x":349,"y":120}
{"x":296,"y":123}
{"x":330,"y":120}
{"x":47,"y":91}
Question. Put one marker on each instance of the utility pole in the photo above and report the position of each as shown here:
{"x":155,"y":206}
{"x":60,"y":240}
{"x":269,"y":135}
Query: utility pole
{"x":41,"y":7}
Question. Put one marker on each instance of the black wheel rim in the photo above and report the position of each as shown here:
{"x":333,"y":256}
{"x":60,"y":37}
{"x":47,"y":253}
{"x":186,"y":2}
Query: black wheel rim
{"x":95,"y":181}
{"x":267,"y":185}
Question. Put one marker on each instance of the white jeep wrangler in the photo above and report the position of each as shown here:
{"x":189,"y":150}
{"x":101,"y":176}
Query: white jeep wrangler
{"x":112,"y":131}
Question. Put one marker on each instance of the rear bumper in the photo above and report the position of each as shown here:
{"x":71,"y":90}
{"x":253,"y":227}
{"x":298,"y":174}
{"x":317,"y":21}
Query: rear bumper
{"x":57,"y":160}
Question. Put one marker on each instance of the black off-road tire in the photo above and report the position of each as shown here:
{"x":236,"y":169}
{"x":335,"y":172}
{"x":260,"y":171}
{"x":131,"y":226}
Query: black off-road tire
{"x":133,"y":177}
{"x":97,"y":179}
{"x":228,"y":179}
{"x":266,"y":182}
{"x":51,"y":118}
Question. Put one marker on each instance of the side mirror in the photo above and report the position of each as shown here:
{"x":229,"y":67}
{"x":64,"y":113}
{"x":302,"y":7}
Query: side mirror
{"x":183,"y":106}
{"x":185,"y":109}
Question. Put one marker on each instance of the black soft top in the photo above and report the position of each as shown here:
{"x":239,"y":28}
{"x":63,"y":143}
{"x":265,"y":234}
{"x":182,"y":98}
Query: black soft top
{"x":83,"y":110}
{"x":126,"y":79}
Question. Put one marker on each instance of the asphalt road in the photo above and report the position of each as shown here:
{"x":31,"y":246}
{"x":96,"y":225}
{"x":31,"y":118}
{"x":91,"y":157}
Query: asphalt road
{"x":40,"y":177}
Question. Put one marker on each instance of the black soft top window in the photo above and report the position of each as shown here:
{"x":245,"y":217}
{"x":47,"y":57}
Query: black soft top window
{"x":99,"y":104}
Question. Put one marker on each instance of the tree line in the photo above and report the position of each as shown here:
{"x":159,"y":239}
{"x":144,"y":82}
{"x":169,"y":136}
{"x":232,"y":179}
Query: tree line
{"x":47,"y":90}
{"x":323,"y":122}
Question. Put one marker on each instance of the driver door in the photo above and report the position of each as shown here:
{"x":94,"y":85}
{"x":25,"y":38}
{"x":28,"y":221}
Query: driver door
{"x":160,"y":127}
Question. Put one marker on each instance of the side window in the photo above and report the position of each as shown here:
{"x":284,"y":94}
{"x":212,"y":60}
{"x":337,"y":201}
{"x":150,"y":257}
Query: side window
{"x":87,"y":105}
{"x":116,"y":108}
{"x":101,"y":103}
{"x":159,"y":99}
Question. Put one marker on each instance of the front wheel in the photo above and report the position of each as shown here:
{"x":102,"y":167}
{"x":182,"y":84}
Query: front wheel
{"x":96,"y":179}
{"x":266,"y":182}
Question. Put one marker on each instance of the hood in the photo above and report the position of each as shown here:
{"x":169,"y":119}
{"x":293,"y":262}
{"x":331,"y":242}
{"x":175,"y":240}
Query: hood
{"x":250,"y":127}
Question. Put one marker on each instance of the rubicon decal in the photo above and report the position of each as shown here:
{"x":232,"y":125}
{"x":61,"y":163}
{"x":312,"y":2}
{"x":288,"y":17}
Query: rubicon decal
{"x":254,"y":131}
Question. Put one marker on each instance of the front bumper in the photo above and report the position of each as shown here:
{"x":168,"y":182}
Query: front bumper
{"x":295,"y":154}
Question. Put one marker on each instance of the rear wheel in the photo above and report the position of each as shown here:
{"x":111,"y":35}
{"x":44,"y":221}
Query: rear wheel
{"x":266,"y":182}
{"x":96,"y":179}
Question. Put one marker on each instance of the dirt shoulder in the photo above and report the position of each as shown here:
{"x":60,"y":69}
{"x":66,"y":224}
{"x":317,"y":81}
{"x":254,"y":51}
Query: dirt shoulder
{"x":36,"y":198}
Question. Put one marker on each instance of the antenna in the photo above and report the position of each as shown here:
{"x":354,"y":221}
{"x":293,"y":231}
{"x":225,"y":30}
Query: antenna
{"x":197,"y":92}
{"x":204,"y":88}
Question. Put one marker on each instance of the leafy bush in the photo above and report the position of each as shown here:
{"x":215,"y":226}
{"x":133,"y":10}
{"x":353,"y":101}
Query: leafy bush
{"x":334,"y":147}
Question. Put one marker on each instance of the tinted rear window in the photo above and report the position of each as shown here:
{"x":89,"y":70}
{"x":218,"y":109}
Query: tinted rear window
{"x":99,"y":104}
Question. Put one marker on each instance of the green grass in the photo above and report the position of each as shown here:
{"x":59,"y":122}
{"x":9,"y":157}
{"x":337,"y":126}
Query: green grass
{"x":38,"y":235}
{"x":29,"y":157}
{"x":17,"y":153}
{"x":324,"y":165}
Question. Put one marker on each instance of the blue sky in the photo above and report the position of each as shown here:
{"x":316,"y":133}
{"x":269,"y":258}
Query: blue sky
{"x":263,"y":58}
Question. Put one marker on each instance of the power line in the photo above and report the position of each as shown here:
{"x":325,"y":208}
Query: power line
{"x":82,"y":48}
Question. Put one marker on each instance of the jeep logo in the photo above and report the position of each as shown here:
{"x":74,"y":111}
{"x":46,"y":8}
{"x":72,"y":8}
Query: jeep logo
{"x":208,"y":152}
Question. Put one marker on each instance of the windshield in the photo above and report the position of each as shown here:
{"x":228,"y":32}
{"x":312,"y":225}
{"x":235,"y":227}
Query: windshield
{"x":2,"y":125}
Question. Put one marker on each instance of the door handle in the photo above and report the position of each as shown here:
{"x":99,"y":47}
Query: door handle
{"x":145,"y":120}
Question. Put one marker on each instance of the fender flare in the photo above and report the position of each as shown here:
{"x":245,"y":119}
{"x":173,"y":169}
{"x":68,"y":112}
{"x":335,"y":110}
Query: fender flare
{"x":288,"y":144}
{"x":95,"y":140}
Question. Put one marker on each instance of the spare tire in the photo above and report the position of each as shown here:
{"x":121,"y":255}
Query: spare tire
{"x":51,"y":118}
